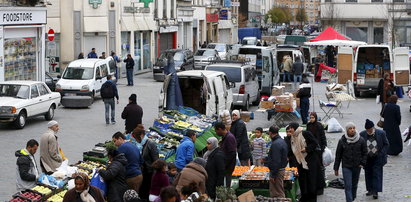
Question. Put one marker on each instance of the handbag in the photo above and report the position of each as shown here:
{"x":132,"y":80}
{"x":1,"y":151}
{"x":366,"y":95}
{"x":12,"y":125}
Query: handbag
{"x":380,"y":123}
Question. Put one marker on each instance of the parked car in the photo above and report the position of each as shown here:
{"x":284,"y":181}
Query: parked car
{"x":208,"y":92}
{"x":249,"y":40}
{"x":202,"y":57}
{"x":244,"y":76}
{"x":82,"y":80}
{"x":20,"y":100}
{"x":183,"y":60}
{"x":222,"y":49}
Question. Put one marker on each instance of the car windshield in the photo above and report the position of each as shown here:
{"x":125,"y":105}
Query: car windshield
{"x":17,"y":91}
{"x":79,"y":73}
{"x":179,"y":56}
{"x":218,"y":47}
{"x":208,"y":52}
{"x":233,"y":73}
{"x":250,"y":51}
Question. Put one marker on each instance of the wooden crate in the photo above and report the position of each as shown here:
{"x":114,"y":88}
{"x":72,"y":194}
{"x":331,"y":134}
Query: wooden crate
{"x":344,"y":76}
{"x":344,"y":62}
{"x":402,"y":77}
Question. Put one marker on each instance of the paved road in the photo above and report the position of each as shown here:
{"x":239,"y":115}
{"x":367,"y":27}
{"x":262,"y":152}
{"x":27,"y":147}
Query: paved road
{"x":82,"y":128}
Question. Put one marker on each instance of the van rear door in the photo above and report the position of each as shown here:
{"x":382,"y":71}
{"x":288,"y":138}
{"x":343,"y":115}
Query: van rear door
{"x":345,"y":65}
{"x":401,"y":66}
{"x":219,"y":88}
{"x":207,"y":91}
{"x":267,"y":68}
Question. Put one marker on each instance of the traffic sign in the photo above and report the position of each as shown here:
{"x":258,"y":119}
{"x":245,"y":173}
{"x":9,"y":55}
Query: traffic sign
{"x":50,"y":35}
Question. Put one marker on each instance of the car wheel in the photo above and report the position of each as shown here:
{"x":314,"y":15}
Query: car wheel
{"x":257,"y":101}
{"x":20,"y":122}
{"x":247,"y":104}
{"x":50,"y":113}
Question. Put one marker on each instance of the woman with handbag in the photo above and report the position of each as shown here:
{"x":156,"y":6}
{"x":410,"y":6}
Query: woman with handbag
{"x":384,"y":90}
{"x":392,"y":122}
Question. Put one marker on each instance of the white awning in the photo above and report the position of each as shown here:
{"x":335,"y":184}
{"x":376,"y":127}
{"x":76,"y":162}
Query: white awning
{"x":225,"y":24}
{"x":53,"y":23}
{"x":95,"y":24}
{"x":142,"y":23}
{"x":151,"y":24}
{"x":129,"y":24}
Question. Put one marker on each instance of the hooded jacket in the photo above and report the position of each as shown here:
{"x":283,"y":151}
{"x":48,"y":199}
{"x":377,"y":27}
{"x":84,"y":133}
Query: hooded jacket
{"x":26,"y":172}
{"x":115,"y":176}
{"x":193,"y":172}
{"x":184,"y":153}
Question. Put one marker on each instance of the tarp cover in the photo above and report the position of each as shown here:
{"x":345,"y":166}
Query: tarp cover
{"x":329,"y":34}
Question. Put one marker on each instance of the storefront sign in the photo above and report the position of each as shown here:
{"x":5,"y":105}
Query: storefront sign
{"x":129,"y":9}
{"x":50,"y":35}
{"x":146,"y":2}
{"x":223,"y":14}
{"x":168,"y":29}
{"x":212,"y":17}
{"x":23,"y":17}
{"x":227,"y":3}
{"x":95,"y":3}
{"x":235,"y":4}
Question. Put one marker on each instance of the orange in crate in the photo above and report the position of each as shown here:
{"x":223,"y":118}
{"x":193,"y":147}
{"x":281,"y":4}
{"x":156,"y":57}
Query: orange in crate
{"x":240,"y":170}
{"x":261,"y":169}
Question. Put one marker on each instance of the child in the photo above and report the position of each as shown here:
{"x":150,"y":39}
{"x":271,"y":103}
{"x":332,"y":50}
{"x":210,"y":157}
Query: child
{"x":259,"y":147}
{"x":159,"y":179}
{"x":172,"y":172}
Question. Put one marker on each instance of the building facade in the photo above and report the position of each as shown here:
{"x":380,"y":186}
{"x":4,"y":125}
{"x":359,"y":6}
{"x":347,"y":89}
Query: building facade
{"x":222,"y":21}
{"x":311,"y":8}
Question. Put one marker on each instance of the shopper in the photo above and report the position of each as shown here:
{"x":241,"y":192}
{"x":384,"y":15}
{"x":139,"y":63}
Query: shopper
{"x":130,"y":69}
{"x":150,"y":155}
{"x":193,"y":172}
{"x":385,"y":90}
{"x":297,"y":69}
{"x":159,"y":179}
{"x":259,"y":148}
{"x":316,"y":128}
{"x":352,"y":152}
{"x":92,"y":54}
{"x":189,"y":193}
{"x":134,"y":177}
{"x":132,"y":113}
{"x":80,"y":55}
{"x":115,"y":176}
{"x":306,"y":151}
{"x":172,"y":172}
{"x":239,"y":130}
{"x":185,"y":150}
{"x":116,"y":60}
{"x":392,"y":122}
{"x":277,"y":161}
{"x":287,"y":67}
{"x":50,"y":157}
{"x":304,"y":93}
{"x":229,"y":147}
{"x":27,"y":172}
{"x":215,"y":167}
{"x":83,"y":191}
{"x":377,"y":145}
{"x":168,"y":194}
{"x":292,"y":161}
{"x":131,"y":196}
{"x":103,"y":55}
{"x":108,"y":92}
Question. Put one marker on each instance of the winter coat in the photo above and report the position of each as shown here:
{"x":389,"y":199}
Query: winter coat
{"x":288,"y":63}
{"x":298,"y":68}
{"x":193,"y":172}
{"x":292,"y":161}
{"x":385,"y":90}
{"x":382,"y":145}
{"x":27,"y":170}
{"x":49,"y":151}
{"x":229,"y":148}
{"x":185,"y":152}
{"x":317,"y":130}
{"x":92,"y":55}
{"x":134,"y":159}
{"x":158,"y":181}
{"x":392,"y":122}
{"x":150,"y":154}
{"x":133,"y":114}
{"x":129,"y":63}
{"x":277,"y":156}
{"x":239,"y":130}
{"x":115,"y":177}
{"x":215,"y":171}
{"x":352,"y":155}
{"x":73,"y":196}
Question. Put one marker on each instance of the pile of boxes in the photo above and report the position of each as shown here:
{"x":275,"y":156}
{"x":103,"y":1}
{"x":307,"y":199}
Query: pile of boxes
{"x":372,"y":73}
{"x":284,"y":101}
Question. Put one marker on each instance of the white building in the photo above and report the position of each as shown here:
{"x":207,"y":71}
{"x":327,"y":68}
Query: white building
{"x":222,"y":21}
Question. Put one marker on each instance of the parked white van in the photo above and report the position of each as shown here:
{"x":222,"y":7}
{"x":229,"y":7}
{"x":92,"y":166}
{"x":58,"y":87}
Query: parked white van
{"x":208,"y":92}
{"x":82,"y":79}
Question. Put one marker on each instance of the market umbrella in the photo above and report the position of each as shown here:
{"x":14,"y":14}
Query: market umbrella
{"x":329,"y":34}
{"x":335,"y":42}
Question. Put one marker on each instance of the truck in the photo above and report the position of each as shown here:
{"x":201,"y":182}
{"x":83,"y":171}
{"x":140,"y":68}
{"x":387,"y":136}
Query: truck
{"x":249,"y":32}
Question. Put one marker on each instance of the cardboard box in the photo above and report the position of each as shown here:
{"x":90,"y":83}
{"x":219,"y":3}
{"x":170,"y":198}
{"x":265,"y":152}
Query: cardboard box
{"x":247,"y":197}
{"x":370,"y":71}
{"x":284,"y":108}
{"x":277,"y":90}
{"x":285,"y":99}
{"x":266,"y":104}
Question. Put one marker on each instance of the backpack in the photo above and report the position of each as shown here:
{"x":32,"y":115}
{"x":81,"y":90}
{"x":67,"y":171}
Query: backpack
{"x":107,"y":90}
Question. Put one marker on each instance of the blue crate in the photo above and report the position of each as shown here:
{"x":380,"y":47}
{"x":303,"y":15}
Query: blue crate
{"x":187,"y":111}
{"x":159,"y":125}
{"x":361,"y":71}
{"x":360,"y":67}
{"x":386,"y":65}
{"x":369,"y":66}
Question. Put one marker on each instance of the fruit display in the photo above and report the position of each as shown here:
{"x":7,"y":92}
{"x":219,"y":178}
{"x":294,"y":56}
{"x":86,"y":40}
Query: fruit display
{"x":261,"y":169}
{"x":240,"y":170}
{"x":175,"y":135}
{"x":293,"y":169}
{"x":18,"y":199}
{"x":288,"y":175}
{"x":42,"y":190}
{"x":57,"y":197}
{"x":31,"y":196}
{"x":256,"y":173}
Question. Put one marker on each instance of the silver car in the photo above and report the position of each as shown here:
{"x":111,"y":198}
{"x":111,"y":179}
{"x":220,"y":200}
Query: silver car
{"x":202,"y":57}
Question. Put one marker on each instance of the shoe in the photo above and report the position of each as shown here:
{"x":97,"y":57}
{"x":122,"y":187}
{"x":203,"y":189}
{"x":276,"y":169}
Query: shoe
{"x":107,"y":123}
{"x":113,"y":122}
{"x":368,"y":193}
{"x":375,"y":196}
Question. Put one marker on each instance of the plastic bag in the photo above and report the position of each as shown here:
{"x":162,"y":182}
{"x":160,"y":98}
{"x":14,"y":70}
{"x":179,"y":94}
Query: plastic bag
{"x":328,"y":157}
{"x":334,"y":126}
{"x":99,"y":182}
{"x":377,"y":99}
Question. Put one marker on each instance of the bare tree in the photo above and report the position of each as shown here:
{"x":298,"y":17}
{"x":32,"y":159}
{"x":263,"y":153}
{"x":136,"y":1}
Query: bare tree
{"x":395,"y":11}
{"x":330,"y":13}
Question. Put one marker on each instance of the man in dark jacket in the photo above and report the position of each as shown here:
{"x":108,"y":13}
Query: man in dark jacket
{"x":239,"y":130}
{"x":229,"y":148}
{"x":132,"y":113}
{"x":27,"y":171}
{"x":292,"y":161}
{"x":108,"y":93}
{"x":130,"y":68}
{"x":304,"y":93}
{"x":297,"y":69}
{"x":277,"y":161}
{"x":352,"y":152}
{"x":377,"y":145}
{"x":115,"y":176}
{"x":92,"y":54}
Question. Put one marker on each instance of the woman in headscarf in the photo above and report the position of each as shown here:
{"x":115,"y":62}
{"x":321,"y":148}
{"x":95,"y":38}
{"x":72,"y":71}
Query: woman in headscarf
{"x":317,"y":129}
{"x":83,"y":191}
{"x":392,"y":122}
{"x":384,"y":90}
{"x":239,"y":130}
{"x":306,"y":151}
{"x":215,"y":166}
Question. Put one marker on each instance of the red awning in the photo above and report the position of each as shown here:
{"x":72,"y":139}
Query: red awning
{"x":329,"y":34}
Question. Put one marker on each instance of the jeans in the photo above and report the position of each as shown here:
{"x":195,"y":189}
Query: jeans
{"x":304,"y":107}
{"x":109,"y":102}
{"x":130,"y":77}
{"x":351,"y":177}
{"x":286,"y":75}
{"x":297,"y":78}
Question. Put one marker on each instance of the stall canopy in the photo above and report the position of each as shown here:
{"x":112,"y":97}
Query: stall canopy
{"x":335,"y":42}
{"x":329,"y":34}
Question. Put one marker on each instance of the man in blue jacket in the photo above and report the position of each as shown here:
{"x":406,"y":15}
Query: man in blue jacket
{"x":185,"y":150}
{"x":92,"y":54}
{"x":277,"y":161}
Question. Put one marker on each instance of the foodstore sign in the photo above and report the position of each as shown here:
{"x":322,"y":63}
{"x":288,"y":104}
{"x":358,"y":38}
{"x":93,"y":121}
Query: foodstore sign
{"x":23,"y":17}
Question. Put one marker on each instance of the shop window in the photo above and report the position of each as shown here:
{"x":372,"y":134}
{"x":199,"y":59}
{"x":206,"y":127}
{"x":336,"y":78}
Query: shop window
{"x":146,"y":50}
{"x":378,"y":35}
{"x":20,"y":59}
{"x":357,"y":33}
{"x":125,"y":43}
{"x":137,"y":51}
{"x":351,"y":1}
{"x":34,"y":91}
{"x":42,"y":89}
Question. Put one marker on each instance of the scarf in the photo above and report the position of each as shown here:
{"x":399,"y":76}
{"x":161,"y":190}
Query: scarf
{"x":297,"y":144}
{"x":214,"y":144}
{"x":353,"y":139}
{"x":86,"y":197}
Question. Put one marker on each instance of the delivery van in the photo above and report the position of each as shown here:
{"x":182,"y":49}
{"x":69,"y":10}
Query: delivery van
{"x":82,"y":79}
{"x":368,"y":64}
{"x":208,"y":92}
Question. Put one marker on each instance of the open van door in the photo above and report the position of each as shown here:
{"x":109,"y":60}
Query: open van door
{"x":345,"y":64}
{"x":267,"y":78}
{"x":401,"y":66}
{"x":208,"y":98}
{"x":162,"y":104}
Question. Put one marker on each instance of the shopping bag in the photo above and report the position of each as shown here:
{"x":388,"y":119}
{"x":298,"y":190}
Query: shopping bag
{"x":328,"y":157}
{"x":334,"y":126}
{"x":377,"y":99}
{"x":99,"y":182}
{"x":62,"y":154}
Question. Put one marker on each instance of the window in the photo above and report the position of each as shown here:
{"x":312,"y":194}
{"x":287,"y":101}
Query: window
{"x":266,"y":64}
{"x":42,"y":89}
{"x":398,"y":1}
{"x":104,"y":70}
{"x":378,"y":35}
{"x":376,"y":0}
{"x":351,"y":1}
{"x":34,"y":91}
{"x":164,"y":9}
{"x":98,"y":74}
{"x":112,"y":66}
{"x":357,"y":33}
